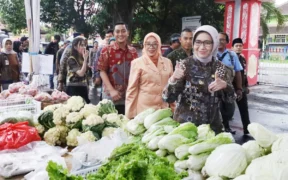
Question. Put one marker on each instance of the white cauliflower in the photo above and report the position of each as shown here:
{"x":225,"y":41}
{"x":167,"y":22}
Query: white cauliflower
{"x":52,"y":107}
{"x":88,"y":136}
{"x":75,"y":103}
{"x":60,"y":114}
{"x":63,"y":134}
{"x":107,"y":131}
{"x":89,"y":109}
{"x":92,"y":120}
{"x":112,"y":118}
{"x":40,"y":128}
{"x":56,"y":135}
{"x":74,"y":120}
{"x":52,"y":136}
{"x":72,"y":137}
{"x":105,"y":101}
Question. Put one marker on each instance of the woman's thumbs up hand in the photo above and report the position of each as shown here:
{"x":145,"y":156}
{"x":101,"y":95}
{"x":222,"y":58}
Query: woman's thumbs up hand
{"x":178,"y":73}
{"x":218,"y":84}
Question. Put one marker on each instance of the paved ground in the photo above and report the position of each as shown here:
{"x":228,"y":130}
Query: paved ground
{"x":273,"y":73}
{"x":268,"y":105}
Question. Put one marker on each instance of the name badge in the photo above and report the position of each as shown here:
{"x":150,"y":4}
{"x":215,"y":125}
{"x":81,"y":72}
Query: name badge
{"x":7,"y":62}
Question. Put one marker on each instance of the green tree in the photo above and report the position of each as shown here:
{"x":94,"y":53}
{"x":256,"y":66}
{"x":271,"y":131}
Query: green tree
{"x":165,"y":16}
{"x":269,"y":12}
{"x":12,"y":14}
{"x":64,"y":14}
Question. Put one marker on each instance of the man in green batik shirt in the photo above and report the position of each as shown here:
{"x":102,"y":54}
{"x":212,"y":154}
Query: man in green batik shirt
{"x":186,"y":47}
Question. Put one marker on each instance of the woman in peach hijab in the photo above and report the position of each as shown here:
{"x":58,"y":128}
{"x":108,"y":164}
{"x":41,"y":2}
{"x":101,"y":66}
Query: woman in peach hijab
{"x":149,"y":75}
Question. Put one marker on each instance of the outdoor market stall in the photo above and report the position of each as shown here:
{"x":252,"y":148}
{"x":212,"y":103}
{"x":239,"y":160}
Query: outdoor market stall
{"x":106,"y":145}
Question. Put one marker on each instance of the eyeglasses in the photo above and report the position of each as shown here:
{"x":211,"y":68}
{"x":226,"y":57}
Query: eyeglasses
{"x":205,"y":43}
{"x":152,"y":45}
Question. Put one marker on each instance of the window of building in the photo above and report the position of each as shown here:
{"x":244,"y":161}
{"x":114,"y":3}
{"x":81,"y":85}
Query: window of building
{"x":280,"y":38}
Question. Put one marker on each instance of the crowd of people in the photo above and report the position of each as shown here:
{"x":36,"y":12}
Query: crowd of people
{"x":197,"y":76}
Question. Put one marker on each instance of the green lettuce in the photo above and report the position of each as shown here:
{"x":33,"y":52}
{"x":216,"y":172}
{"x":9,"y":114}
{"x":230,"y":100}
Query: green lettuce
{"x":131,"y":161}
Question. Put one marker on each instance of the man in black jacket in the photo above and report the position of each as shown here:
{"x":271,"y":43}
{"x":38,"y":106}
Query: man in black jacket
{"x":242,"y":103}
{"x":52,"y":49}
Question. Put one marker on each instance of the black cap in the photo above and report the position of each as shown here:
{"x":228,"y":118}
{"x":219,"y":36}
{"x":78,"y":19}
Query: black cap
{"x":237,"y":40}
{"x":174,"y":37}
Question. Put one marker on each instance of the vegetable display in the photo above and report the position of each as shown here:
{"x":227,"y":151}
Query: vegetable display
{"x":81,"y":121}
{"x":164,"y":149}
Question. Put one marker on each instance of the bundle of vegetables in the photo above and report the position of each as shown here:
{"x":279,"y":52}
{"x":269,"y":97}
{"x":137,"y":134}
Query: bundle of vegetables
{"x":185,"y":145}
{"x":251,"y":161}
{"x":81,"y":121}
{"x":129,"y":161}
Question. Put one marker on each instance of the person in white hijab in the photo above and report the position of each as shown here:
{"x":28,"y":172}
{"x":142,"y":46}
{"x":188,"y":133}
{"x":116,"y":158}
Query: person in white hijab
{"x":198,"y":82}
{"x":9,"y":64}
{"x":7,"y":46}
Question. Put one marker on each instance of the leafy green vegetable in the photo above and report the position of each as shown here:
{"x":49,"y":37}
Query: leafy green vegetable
{"x":46,"y":119}
{"x":157,"y":116}
{"x":134,"y":161}
{"x":188,"y":130}
{"x":57,"y":172}
{"x":106,"y":107}
{"x":210,"y":144}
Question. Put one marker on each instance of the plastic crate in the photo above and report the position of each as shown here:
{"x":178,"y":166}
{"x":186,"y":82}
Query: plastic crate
{"x":84,"y":172}
{"x":25,"y":104}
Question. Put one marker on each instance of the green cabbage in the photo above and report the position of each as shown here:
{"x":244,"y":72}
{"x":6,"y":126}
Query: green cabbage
{"x":171,"y":142}
{"x":149,"y":136}
{"x":263,"y":136}
{"x":153,"y":144}
{"x":205,"y":132}
{"x":157,"y":116}
{"x":141,"y":116}
{"x":182,"y":152}
{"x":188,"y":130}
{"x":226,"y":161}
{"x":210,"y":144}
{"x":171,"y":158}
{"x":197,"y":162}
{"x":253,"y":150}
{"x":134,"y":127}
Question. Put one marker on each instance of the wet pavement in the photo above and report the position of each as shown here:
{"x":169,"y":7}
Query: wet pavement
{"x":268,"y":105}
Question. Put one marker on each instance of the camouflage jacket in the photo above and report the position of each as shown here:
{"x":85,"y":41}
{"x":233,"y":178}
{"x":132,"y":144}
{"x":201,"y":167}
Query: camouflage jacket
{"x":178,"y":54}
{"x":194,"y":102}
{"x":63,"y":64}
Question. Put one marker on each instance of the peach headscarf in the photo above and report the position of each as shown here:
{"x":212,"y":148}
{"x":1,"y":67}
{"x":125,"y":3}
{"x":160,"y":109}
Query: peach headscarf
{"x":144,"y":53}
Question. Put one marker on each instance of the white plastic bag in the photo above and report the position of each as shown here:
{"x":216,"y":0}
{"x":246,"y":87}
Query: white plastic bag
{"x":95,"y":153}
{"x":27,"y":158}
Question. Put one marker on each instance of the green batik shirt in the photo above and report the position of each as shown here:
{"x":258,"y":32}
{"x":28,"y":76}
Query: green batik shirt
{"x":177,"y":55}
{"x":195,"y":103}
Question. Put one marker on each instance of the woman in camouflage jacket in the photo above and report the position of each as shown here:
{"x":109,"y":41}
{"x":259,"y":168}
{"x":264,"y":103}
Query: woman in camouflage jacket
{"x":199,"y":82}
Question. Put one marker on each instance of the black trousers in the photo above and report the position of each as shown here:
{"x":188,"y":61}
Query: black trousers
{"x":78,"y":91}
{"x":227,"y":112}
{"x":244,"y":113}
{"x":120,"y":109}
